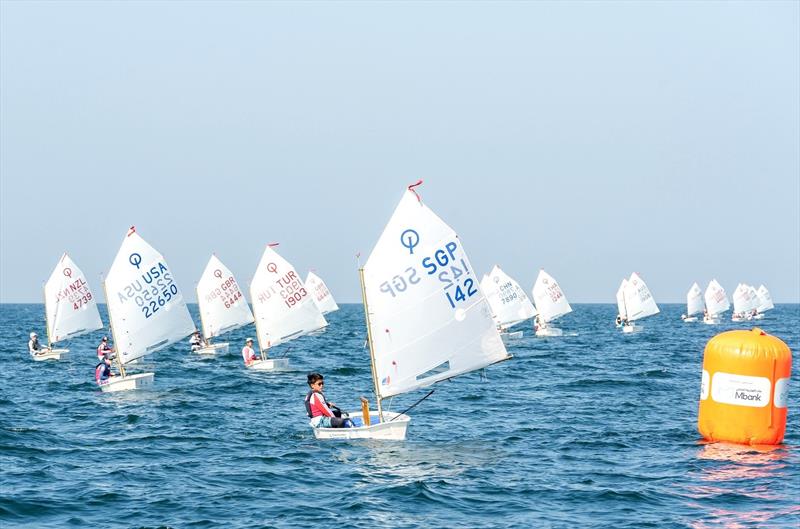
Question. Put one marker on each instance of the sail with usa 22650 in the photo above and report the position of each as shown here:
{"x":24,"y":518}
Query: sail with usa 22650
{"x":427,"y":320}
{"x":146,"y":309}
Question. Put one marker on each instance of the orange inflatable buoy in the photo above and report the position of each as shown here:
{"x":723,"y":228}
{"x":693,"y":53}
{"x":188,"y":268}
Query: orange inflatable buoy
{"x":745,"y":388}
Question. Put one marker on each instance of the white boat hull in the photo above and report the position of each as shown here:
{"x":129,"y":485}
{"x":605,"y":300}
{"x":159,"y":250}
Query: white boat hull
{"x":629,"y":329}
{"x":127,"y":383}
{"x":270,"y":364}
{"x":393,"y":429}
{"x":212,"y":349}
{"x":510,"y":336}
{"x":49,"y":354}
{"x":550,"y":331}
{"x":758,"y":316}
{"x":690,"y":319}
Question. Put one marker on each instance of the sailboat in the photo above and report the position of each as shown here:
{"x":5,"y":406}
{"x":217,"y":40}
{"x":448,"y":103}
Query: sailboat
{"x":764,"y":302}
{"x":639,"y":303}
{"x":221,"y":304}
{"x":622,"y":310}
{"x":716,"y":303}
{"x":146,"y":309}
{"x":694,"y":303}
{"x":745,"y":302}
{"x":551,"y":303}
{"x":70,"y":308}
{"x":320,"y":293}
{"x":283,"y":307}
{"x":426,"y":318}
{"x":508,"y":301}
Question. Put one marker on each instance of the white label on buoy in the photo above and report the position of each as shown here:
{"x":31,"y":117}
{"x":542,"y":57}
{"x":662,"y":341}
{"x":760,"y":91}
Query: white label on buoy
{"x":704,"y":385}
{"x":781,"y":392}
{"x":740,"y":390}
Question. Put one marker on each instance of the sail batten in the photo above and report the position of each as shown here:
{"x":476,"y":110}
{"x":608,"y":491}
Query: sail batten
{"x":427,"y":313}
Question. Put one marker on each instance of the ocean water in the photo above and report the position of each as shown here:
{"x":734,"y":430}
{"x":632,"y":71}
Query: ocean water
{"x":593,"y":429}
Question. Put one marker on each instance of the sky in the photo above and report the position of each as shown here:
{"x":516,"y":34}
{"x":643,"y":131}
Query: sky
{"x":591,"y":139}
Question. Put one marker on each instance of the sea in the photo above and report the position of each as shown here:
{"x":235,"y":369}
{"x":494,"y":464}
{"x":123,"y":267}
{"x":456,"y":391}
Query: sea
{"x":591,"y":429}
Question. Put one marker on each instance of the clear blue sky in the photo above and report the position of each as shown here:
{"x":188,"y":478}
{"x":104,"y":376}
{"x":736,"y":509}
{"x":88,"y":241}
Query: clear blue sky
{"x":589,"y":138}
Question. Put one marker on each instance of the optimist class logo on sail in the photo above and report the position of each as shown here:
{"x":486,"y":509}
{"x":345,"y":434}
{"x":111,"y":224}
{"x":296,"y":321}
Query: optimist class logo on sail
{"x":155,"y":289}
{"x":447,"y":263}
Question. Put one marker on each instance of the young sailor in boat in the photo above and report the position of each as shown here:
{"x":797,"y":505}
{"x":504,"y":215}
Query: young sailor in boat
{"x":618,"y":321}
{"x":34,"y":347}
{"x":538,"y":323}
{"x":196,"y":341}
{"x":104,"y":350}
{"x":102,"y":372}
{"x":248,"y":353}
{"x":323,"y":414}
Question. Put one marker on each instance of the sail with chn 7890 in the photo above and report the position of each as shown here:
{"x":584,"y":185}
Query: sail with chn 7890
{"x":427,"y":320}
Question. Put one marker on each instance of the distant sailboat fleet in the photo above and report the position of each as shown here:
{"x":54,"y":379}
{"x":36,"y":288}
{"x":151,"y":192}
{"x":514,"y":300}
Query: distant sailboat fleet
{"x":419,"y":290}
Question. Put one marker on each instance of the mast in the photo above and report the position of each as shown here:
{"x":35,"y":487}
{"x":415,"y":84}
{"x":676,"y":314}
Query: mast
{"x":46,"y":319}
{"x":202,"y":321}
{"x":258,"y":337}
{"x":369,"y":338}
{"x":113,"y":334}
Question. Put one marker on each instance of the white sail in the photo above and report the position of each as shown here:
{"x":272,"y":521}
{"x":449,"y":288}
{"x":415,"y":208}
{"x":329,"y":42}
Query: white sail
{"x":551,"y":303}
{"x":508,"y":301}
{"x":320,"y":293}
{"x":752,"y":297}
{"x":69,"y":303}
{"x":638,"y":299}
{"x":282,"y":306}
{"x":623,"y":311}
{"x":694,"y":300}
{"x":741,"y":299}
{"x":222,"y":305}
{"x":716,"y":299}
{"x":429,"y":320}
{"x":145,"y":305}
{"x":764,"y":299}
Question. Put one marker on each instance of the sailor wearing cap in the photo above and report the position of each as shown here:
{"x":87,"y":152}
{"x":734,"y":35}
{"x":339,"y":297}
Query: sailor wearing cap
{"x":34,"y":347}
{"x":248,"y":353}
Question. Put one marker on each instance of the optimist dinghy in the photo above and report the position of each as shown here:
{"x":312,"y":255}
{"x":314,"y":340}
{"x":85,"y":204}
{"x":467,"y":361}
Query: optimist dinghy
{"x":694,"y":304}
{"x":146,"y":309}
{"x":639,"y":303}
{"x":284,"y":309}
{"x":508,"y":301}
{"x":551,"y":303}
{"x":716,"y":303}
{"x":426,"y":318}
{"x":320,"y":293}
{"x":70,"y":308}
{"x":222,"y":305}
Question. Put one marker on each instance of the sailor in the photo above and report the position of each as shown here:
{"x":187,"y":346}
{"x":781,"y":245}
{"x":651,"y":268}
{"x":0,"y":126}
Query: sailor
{"x":102,"y":372}
{"x":34,"y":347}
{"x":196,"y":341}
{"x":248,"y":353}
{"x":323,"y":414}
{"x":104,"y":350}
{"x":618,"y":321}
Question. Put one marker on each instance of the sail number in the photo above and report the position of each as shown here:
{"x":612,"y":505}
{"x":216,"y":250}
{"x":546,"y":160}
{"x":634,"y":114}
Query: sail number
{"x":228,"y":291}
{"x":446,"y":267}
{"x":290,"y":288}
{"x":158,"y":290}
